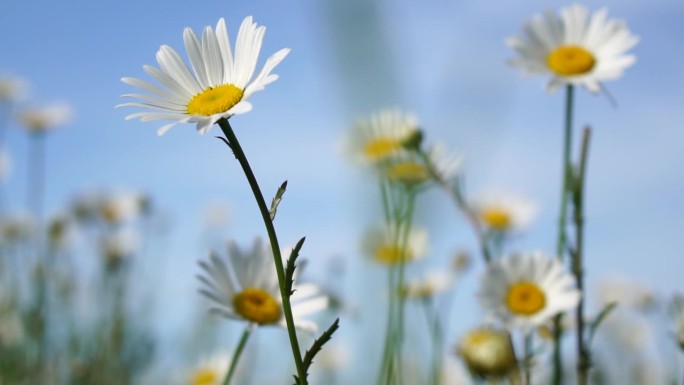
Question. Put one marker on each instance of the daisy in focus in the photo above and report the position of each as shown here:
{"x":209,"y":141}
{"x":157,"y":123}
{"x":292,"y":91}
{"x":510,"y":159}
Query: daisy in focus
{"x":503,"y":212}
{"x":523,"y":291}
{"x":218,"y":86}
{"x":382,"y":246}
{"x":575,"y":48}
{"x":244,"y":286}
{"x":381,"y":136}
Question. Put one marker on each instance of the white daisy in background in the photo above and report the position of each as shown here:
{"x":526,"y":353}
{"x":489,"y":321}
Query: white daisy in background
{"x":488,"y":352}
{"x":523,"y":291}
{"x":244,"y":286}
{"x":209,"y":371}
{"x":409,"y":168}
{"x":627,"y":292}
{"x":575,"y":48}
{"x":42,"y":119}
{"x":504,"y":211}
{"x":119,"y":245}
{"x":380,"y":136}
{"x":433,"y":283}
{"x":11,"y":88}
{"x":382,"y":246}
{"x":219,"y":85}
{"x":118,"y":207}
{"x":446,"y":164}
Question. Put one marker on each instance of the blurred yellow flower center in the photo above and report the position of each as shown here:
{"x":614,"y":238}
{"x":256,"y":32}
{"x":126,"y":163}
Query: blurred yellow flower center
{"x":215,"y":100}
{"x":408,"y":172}
{"x":204,"y":377}
{"x":391,"y":254}
{"x":525,"y":298}
{"x":380,"y":147}
{"x":570,"y":60}
{"x":256,"y":305}
{"x":496,"y":218}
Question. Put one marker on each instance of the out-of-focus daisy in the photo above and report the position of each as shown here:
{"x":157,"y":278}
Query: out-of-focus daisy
{"x":431,"y":284}
{"x":42,"y":119}
{"x":11,"y":88}
{"x":626,"y":292}
{"x":209,"y":371}
{"x":244,"y":286}
{"x":119,"y":207}
{"x":16,"y":228}
{"x":488,"y":352}
{"x":119,"y":245}
{"x":409,"y":168}
{"x":382,"y":246}
{"x":445,"y":164}
{"x":219,"y":84}
{"x":678,"y":312}
{"x":525,"y":290}
{"x":574,"y":48}
{"x":380,"y":136}
{"x":5,"y":164}
{"x":504,"y":211}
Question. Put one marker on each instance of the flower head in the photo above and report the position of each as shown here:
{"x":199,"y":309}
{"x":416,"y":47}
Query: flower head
{"x":218,"y":86}
{"x":488,"y":352}
{"x":525,"y":290}
{"x":244,"y":286}
{"x":383,"y":246}
{"x":381,"y":136}
{"x":11,"y":88}
{"x":209,"y":371}
{"x":574,"y":48}
{"x":41,"y":119}
{"x":431,"y":284}
{"x":504,"y":212}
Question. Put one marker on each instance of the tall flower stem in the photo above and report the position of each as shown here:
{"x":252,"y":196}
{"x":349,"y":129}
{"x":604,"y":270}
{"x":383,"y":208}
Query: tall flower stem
{"x":437,"y":336}
{"x":275,"y":247}
{"x":583,"y":363}
{"x":562,"y":221}
{"x":236,"y":355}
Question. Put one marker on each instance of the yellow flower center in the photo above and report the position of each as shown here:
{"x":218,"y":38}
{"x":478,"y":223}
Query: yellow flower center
{"x":215,"y":100}
{"x":256,"y":305}
{"x":570,"y":60}
{"x":496,"y":218}
{"x":379,"y":148}
{"x":408,"y":172}
{"x":204,"y":377}
{"x":390,"y":254}
{"x":525,"y":298}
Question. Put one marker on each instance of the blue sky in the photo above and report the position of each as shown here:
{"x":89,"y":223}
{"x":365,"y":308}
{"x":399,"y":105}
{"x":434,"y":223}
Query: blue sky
{"x":443,"y":60}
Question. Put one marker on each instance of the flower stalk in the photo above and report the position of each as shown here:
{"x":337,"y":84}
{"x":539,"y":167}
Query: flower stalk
{"x":238,"y":352}
{"x":275,"y":247}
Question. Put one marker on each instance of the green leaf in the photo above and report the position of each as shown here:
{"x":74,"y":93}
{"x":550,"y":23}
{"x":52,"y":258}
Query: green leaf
{"x":593,"y":326}
{"x":276,"y":200}
{"x":291,"y":266}
{"x":318,"y":345}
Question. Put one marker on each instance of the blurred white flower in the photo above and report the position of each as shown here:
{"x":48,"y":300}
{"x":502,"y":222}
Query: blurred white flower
{"x":42,"y":119}
{"x":380,"y":136}
{"x":119,"y":245}
{"x":209,"y":371}
{"x":574,"y":48}
{"x":382,"y":245}
{"x":433,"y":283}
{"x":244,"y":286}
{"x":117,"y":207}
{"x":523,"y":291}
{"x":11,"y":88}
{"x":503,"y":212}
{"x":488,"y":352}
{"x":626,"y":292}
{"x":218,"y":88}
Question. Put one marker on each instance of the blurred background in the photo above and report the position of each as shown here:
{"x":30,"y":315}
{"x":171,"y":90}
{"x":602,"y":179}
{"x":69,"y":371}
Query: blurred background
{"x":443,"y":60}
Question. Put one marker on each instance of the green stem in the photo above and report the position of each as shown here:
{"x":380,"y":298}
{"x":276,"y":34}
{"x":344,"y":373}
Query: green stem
{"x":236,"y":355}
{"x":577,"y":268}
{"x":528,"y":359}
{"x":266,"y":216}
{"x":562,"y":219}
{"x":436,"y":335}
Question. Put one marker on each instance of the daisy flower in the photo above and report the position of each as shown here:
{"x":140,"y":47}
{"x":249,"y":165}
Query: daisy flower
{"x":488,"y":352}
{"x":431,"y":284}
{"x":574,"y":48}
{"x":11,"y":88}
{"x":409,"y":168}
{"x":381,"y":245}
{"x":244,"y":286}
{"x":41,"y":119}
{"x":209,"y":371}
{"x":525,"y":290}
{"x":382,"y":135}
{"x":504,"y":211}
{"x":116,"y":208}
{"x":218,"y":86}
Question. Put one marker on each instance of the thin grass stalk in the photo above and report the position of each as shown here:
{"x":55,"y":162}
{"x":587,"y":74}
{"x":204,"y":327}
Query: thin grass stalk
{"x":236,"y":355}
{"x":275,"y":247}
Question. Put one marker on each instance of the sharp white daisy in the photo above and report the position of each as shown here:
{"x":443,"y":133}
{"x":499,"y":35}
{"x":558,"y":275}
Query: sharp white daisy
{"x":574,"y":47}
{"x":525,"y":290}
{"x":383,"y":245}
{"x":380,"y":136}
{"x":41,"y":119}
{"x":218,"y":86}
{"x":244,"y":286}
{"x":502,"y":211}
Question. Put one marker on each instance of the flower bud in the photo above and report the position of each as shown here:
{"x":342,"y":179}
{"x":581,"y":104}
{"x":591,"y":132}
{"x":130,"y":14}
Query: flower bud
{"x":488,"y":352}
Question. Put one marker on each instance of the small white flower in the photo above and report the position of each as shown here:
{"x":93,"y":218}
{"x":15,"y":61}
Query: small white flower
{"x":209,"y":371}
{"x":380,"y":136}
{"x":431,"y":284}
{"x":42,"y":119}
{"x":383,"y":245}
{"x":120,"y":244}
{"x":525,"y":290}
{"x":120,"y":207}
{"x":219,"y":84}
{"x":574,"y":48}
{"x":504,"y":211}
{"x":244,"y":286}
{"x":11,"y":88}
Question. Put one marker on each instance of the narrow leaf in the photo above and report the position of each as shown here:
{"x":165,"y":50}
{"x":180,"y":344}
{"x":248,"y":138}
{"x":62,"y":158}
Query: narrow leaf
{"x":276,"y":200}
{"x":291,"y":266}
{"x":594,"y":325}
{"x":318,"y":345}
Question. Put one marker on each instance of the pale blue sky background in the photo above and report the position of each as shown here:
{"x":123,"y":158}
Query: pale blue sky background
{"x":443,"y":60}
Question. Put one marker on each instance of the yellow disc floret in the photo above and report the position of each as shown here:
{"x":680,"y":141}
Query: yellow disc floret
{"x":496,"y":218}
{"x":380,"y":148}
{"x":570,"y":60}
{"x":408,"y":172}
{"x":204,"y":377}
{"x":258,"y":306}
{"x":215,"y":100}
{"x":525,"y":298}
{"x":390,"y":254}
